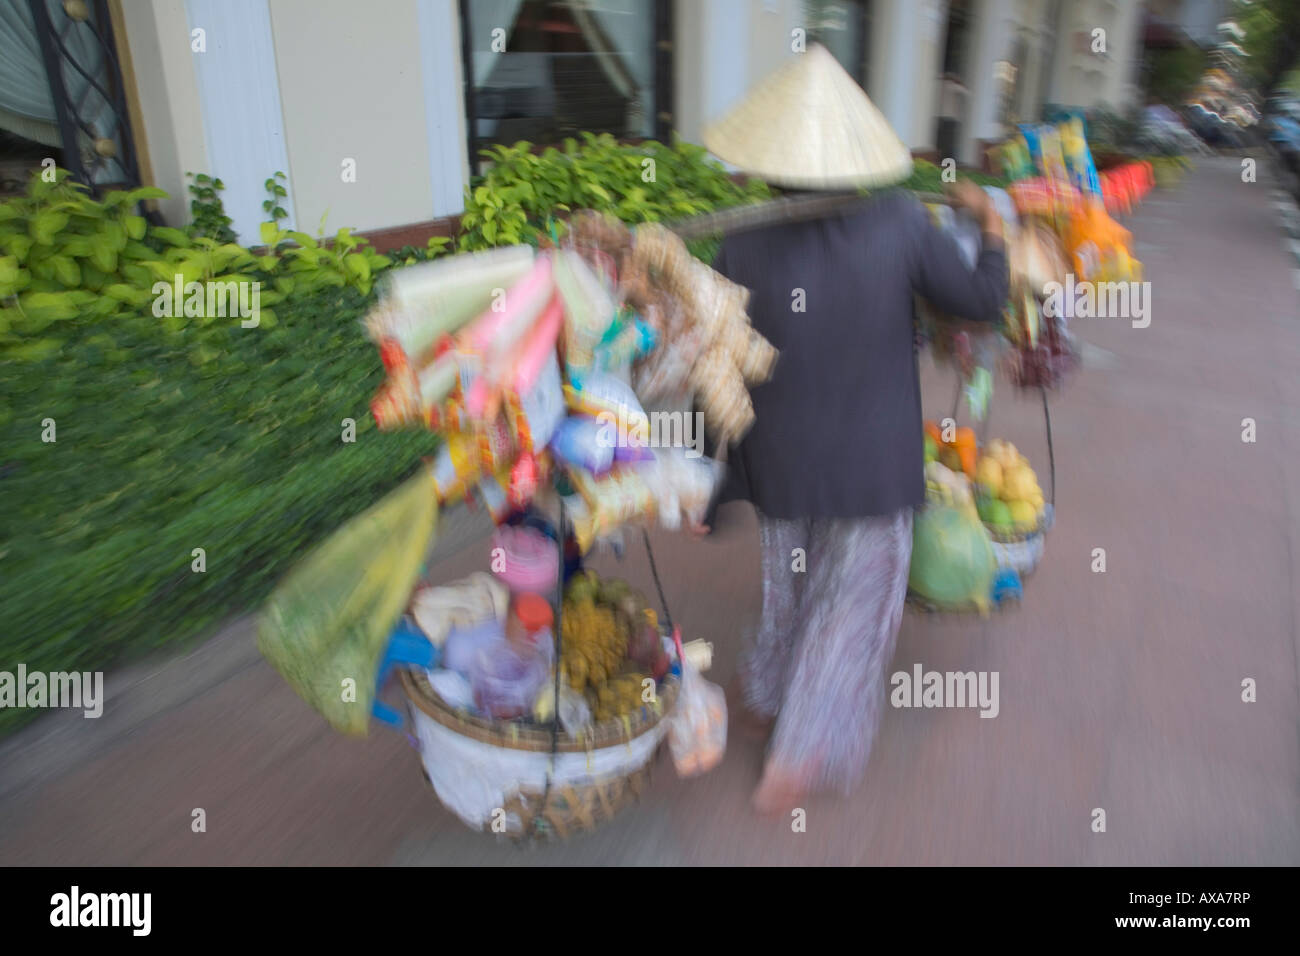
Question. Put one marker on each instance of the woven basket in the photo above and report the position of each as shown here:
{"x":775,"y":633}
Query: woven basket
{"x":518,"y":736}
{"x":575,"y":808}
{"x":571,"y":806}
{"x":1019,"y":537}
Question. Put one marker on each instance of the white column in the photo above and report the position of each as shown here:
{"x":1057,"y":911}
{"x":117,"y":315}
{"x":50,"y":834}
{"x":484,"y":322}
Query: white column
{"x":897,"y":66}
{"x":1036,"y":30}
{"x":710,"y":61}
{"x":158,"y":38}
{"x":994,"y":32}
{"x":726,"y":64}
{"x":239,"y":90}
{"x":444,"y":103}
{"x":1126,"y":55}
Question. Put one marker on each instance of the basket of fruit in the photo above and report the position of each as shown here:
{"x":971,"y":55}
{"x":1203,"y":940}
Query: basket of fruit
{"x":524,"y":778}
{"x":983,"y":528}
{"x":1010,"y":503}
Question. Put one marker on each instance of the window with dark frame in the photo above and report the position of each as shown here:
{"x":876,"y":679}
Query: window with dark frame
{"x":544,"y":70}
{"x":844,"y":28}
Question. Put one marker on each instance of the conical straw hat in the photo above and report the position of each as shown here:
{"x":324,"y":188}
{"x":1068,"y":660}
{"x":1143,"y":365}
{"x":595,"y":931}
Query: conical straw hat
{"x":810,"y":126}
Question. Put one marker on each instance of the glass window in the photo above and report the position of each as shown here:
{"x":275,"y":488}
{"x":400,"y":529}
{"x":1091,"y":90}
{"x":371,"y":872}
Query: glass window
{"x":841,"y":27}
{"x":546,"y":69}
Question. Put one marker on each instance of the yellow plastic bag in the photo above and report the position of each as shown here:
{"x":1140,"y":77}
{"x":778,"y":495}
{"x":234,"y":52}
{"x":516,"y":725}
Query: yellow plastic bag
{"x":326,"y":625}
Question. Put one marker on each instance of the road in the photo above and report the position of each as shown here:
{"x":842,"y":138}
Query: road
{"x":1119,"y":690}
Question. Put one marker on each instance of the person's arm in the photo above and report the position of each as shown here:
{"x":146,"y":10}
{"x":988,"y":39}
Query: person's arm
{"x":939,"y":272}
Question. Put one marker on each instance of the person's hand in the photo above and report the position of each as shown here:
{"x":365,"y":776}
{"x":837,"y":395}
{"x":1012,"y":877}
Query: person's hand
{"x":964,"y":194}
{"x":699,"y":529}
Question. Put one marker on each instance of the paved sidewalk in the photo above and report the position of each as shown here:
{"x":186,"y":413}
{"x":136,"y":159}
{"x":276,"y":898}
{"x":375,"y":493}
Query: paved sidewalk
{"x":1119,"y":691}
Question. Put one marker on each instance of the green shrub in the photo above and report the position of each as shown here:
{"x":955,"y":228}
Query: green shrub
{"x":516,"y":199}
{"x":173,"y":433}
{"x":207,"y":212}
{"x":275,"y":191}
{"x":156,"y":455}
{"x":170,"y":432}
{"x":68,"y":260}
{"x":928,"y":178}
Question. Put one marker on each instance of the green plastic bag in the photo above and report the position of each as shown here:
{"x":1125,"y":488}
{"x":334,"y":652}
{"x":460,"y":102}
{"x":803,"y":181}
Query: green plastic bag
{"x":952,"y":558}
{"x":329,"y":620}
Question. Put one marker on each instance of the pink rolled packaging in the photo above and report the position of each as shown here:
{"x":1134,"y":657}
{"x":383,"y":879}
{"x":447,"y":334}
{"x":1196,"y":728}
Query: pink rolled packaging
{"x":528,"y":560}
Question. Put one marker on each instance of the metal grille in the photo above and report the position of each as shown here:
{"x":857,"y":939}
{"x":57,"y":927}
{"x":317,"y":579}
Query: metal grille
{"x":79,"y":52}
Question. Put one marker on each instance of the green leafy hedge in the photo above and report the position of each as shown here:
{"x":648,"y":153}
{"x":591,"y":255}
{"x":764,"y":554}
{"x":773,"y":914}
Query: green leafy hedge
{"x":67,"y":259}
{"x":170,"y":432}
{"x":928,"y":178}
{"x":174,"y":433}
{"x":156,"y":455}
{"x":524,"y":193}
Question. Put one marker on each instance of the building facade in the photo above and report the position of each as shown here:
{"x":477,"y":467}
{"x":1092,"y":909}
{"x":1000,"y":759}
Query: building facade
{"x":376,"y":112}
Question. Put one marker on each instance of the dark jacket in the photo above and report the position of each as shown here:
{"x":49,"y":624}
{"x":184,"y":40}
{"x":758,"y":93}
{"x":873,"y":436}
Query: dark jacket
{"x":839,"y":428}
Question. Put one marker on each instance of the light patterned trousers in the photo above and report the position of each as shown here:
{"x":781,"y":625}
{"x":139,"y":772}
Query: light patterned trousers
{"x":830,"y":622}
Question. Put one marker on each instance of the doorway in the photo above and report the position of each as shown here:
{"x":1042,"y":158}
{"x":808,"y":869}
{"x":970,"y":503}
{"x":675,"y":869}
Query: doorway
{"x":953,"y":115}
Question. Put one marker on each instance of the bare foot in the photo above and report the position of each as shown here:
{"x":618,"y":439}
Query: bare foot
{"x":780,"y":790}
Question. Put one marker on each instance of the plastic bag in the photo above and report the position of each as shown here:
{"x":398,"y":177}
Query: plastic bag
{"x":330,"y":619}
{"x":453,"y":687}
{"x":577,"y":443}
{"x":462,"y":604}
{"x":697,"y":727}
{"x":610,"y":401}
{"x":683,"y":486}
{"x":506,"y":680}
{"x":461,"y":649}
{"x":952,"y":557}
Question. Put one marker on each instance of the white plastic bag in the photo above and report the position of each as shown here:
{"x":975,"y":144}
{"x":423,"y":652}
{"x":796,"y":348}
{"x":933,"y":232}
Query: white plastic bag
{"x":697,"y":728}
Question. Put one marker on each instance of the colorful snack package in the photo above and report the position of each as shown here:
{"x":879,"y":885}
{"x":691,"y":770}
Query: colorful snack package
{"x":536,"y":392}
{"x":485,"y":347}
{"x":1078,"y":157}
{"x":508,"y":318}
{"x":456,"y":468}
{"x":632,"y":452}
{"x":493,"y":490}
{"x":497,"y":447}
{"x":424,"y":302}
{"x":588,"y":307}
{"x":618,"y":497}
{"x":526,"y":383}
{"x":1016,"y":162}
{"x":579,"y":442}
{"x":624,"y":343}
{"x":1029,"y":133}
{"x":408,"y":397}
{"x":1053,"y":159}
{"x":607,"y":399}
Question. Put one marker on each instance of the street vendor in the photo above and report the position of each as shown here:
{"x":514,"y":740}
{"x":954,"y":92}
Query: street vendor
{"x":833,"y":463}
